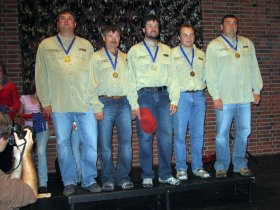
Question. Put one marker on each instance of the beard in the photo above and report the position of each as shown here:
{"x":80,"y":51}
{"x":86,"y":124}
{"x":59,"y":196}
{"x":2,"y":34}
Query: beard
{"x":153,"y":36}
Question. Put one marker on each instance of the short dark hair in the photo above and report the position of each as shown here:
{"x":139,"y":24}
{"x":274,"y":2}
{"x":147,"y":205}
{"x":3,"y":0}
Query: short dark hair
{"x":228,"y":16}
{"x":64,"y":11}
{"x":186,"y":25}
{"x":106,"y":29}
{"x":5,"y":74}
{"x":149,"y":17}
{"x":5,"y":126}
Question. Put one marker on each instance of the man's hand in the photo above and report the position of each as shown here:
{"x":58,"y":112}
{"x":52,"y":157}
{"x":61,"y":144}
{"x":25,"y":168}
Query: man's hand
{"x":257,"y":99}
{"x":172,"y":109}
{"x":21,"y":142}
{"x":135,"y":113}
{"x":99,"y":116}
{"x":47,"y":111}
{"x":218,"y":104}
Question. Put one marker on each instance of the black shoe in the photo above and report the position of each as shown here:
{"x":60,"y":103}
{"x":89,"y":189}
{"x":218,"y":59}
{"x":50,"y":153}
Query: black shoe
{"x":42,"y":190}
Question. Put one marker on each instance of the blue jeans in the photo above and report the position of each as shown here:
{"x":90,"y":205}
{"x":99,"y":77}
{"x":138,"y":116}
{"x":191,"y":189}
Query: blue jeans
{"x":158,"y":102}
{"x":191,"y":112}
{"x":116,"y":112}
{"x":87,"y":130}
{"x":241,"y":115}
{"x":41,"y":143}
{"x":75,"y":143}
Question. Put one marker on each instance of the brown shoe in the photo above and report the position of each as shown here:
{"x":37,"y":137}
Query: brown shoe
{"x":221,"y":174}
{"x":245,"y":172}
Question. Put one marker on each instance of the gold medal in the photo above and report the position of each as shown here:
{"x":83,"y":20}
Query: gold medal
{"x":67,"y":58}
{"x":115,"y":75}
{"x":154,"y":68}
{"x":192,"y":73}
{"x":237,"y":55}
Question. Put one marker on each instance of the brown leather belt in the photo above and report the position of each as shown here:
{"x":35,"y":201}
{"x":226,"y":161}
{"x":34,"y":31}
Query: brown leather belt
{"x":112,"y":97}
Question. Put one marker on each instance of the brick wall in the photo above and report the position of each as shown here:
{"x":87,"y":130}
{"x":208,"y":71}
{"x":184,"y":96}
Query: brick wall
{"x":259,"y":21}
{"x":9,"y":41}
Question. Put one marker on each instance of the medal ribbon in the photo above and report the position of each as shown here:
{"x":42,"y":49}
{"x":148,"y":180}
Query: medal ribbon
{"x":114,"y":65}
{"x":69,"y":48}
{"x":149,"y":51}
{"x":227,"y":41}
{"x":185,"y":55}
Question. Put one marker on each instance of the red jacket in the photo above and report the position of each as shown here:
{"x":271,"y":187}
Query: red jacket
{"x":10,"y":98}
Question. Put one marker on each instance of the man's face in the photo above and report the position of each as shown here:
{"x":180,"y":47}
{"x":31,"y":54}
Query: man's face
{"x":151,"y":29}
{"x":112,"y":39}
{"x":3,"y":144}
{"x":66,"y":23}
{"x":229,"y":27}
{"x":187,"y":37}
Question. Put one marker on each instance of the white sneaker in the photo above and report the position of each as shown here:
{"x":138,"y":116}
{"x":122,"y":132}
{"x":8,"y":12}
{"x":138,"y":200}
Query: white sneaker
{"x":147,"y":183}
{"x":171,"y":180}
{"x":182,"y":175}
{"x":201,"y":173}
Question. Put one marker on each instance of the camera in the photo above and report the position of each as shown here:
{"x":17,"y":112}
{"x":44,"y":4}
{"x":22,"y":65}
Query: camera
{"x":19,"y":131}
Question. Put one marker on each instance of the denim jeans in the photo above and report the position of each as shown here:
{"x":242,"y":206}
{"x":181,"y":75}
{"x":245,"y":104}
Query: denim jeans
{"x":190,"y":113}
{"x":41,"y":143}
{"x":159,"y":103}
{"x":116,"y":112}
{"x":241,"y":115}
{"x":76,"y":146}
{"x":87,"y":130}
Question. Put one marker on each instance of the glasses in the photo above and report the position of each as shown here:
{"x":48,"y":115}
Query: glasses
{"x":190,"y":36}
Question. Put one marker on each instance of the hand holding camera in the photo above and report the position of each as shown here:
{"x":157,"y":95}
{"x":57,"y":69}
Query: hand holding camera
{"x":24,"y":141}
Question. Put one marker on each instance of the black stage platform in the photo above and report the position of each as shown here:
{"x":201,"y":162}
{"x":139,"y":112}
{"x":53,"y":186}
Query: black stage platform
{"x":161,"y":196}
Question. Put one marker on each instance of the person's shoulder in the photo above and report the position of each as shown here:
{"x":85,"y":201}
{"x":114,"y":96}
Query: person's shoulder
{"x":175,"y":51}
{"x":1,"y":173}
{"x":176,"y":48}
{"x":48,"y":40}
{"x":198,"y":51}
{"x":11,"y":85}
{"x":24,"y":97}
{"x":164,"y":46}
{"x":83,"y":41}
{"x":122,"y":54}
{"x":97,"y":55}
{"x":244,"y":40}
{"x":136,"y":46}
{"x":215,"y":41}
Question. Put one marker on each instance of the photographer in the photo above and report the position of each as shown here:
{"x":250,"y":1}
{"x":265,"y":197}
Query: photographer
{"x":20,"y":187}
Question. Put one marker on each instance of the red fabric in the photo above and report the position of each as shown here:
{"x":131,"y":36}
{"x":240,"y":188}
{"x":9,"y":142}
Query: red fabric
{"x":10,"y":98}
{"x":148,"y":122}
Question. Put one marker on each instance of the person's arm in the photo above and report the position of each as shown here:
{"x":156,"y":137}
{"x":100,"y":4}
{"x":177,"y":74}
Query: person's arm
{"x":212,"y":77}
{"x":42,"y":78}
{"x":21,"y":108}
{"x":15,"y":99}
{"x":257,"y":83}
{"x":29,"y":175}
{"x":16,"y":174}
{"x":173,"y":88}
{"x":97,"y":106}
